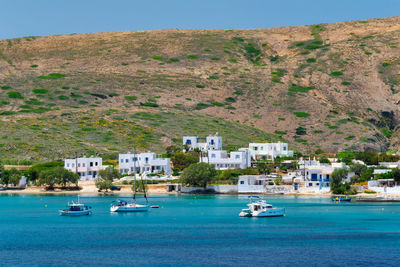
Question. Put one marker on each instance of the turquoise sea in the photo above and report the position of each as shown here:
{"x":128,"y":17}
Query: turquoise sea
{"x":199,"y":230}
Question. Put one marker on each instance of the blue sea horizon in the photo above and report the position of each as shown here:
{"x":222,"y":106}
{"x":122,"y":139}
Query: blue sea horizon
{"x":198,"y":230}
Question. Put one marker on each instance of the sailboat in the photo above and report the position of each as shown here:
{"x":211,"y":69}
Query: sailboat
{"x":124,"y":206}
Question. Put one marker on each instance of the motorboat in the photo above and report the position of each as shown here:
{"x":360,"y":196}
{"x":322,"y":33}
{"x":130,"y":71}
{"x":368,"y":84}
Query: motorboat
{"x":341,"y":199}
{"x":76,"y":209}
{"x":124,"y":206}
{"x":260,"y":208}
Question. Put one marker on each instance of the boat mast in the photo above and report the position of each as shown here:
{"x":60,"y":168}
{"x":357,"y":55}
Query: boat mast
{"x":134,"y":168}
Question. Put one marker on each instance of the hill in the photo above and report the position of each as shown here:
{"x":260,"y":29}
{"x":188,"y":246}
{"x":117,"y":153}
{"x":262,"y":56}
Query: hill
{"x":329,"y":86}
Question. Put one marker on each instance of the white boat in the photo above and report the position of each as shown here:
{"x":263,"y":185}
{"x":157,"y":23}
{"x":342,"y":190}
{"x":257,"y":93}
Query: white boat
{"x":76,"y":209}
{"x":124,"y":206}
{"x":260,"y":208}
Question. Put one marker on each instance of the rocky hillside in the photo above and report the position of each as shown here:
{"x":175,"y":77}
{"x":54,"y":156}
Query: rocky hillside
{"x":329,"y":86}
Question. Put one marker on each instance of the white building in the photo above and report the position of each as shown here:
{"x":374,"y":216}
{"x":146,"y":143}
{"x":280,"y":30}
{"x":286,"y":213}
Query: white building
{"x":86,"y":168}
{"x":211,"y":142}
{"x":221,"y":161}
{"x":145,"y":162}
{"x":269,"y":151}
{"x":319,"y":175}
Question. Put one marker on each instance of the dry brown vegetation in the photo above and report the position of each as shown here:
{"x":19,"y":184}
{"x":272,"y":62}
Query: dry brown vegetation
{"x":330,"y":86}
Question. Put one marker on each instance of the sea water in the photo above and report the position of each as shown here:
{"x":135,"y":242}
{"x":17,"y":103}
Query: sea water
{"x":199,"y":230}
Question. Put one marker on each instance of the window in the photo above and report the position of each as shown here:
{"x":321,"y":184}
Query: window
{"x":255,"y":148}
{"x":147,"y":160}
{"x":79,"y":164}
{"x":96,"y":163}
{"x":309,"y":184}
{"x":261,"y":148}
{"x":122,"y":160}
{"x":284,"y":148}
{"x":68,"y":165}
{"x":241,"y":182}
{"x":212,"y":142}
{"x":213,"y":156}
{"x":126,"y":160}
{"x":91,"y":164}
{"x":188,"y":142}
{"x":237,"y":156}
{"x":73,"y":165}
{"x":83,"y":165}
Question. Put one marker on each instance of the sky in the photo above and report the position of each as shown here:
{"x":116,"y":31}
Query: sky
{"x":19,"y":18}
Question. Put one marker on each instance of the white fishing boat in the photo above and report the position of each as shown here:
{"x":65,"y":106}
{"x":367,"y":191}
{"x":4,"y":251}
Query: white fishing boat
{"x":76,"y":209}
{"x":124,"y":206}
{"x":260,"y":208}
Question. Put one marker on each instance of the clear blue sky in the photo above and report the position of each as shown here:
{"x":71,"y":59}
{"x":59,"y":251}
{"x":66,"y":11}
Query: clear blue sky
{"x":20,"y":18}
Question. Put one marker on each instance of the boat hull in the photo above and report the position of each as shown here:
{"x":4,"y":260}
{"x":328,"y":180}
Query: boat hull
{"x":130,"y":208}
{"x":74,"y":213}
{"x":273,"y":212}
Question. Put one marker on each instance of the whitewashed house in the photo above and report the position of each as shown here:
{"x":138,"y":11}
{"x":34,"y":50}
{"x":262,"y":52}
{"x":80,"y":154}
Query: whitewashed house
{"x":319,"y":175}
{"x":221,"y":161}
{"x":211,"y":142}
{"x":86,"y":168}
{"x":269,"y":151}
{"x":145,"y":162}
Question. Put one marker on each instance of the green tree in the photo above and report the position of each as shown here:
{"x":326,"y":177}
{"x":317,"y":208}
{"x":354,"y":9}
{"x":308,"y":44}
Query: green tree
{"x":109,"y":173}
{"x":198,"y":174}
{"x":336,"y":182}
{"x":396,"y":175}
{"x":65,"y":176}
{"x":366,"y":174}
{"x":102,"y":184}
{"x":358,"y":168}
{"x":346,"y":156}
{"x":324,"y":160}
{"x":2,"y":172}
{"x":14,"y":176}
{"x":263,"y":167}
{"x":182,"y":160}
{"x":49,"y":178}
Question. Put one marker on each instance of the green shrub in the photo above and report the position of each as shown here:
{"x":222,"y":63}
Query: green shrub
{"x":336,"y":73}
{"x":6,"y":113}
{"x":213,"y":77}
{"x":173,"y":59}
{"x":230,"y":99}
{"x":311,"y":60}
{"x":215,"y":58}
{"x":158,"y":57}
{"x":385,"y":64}
{"x":238,"y":92}
{"x":52,"y":76}
{"x":191,"y":57}
{"x":130,"y":97}
{"x":281,"y":119}
{"x":6,"y":87}
{"x":346,"y":83}
{"x":301,"y":114}
{"x":63,"y":97}
{"x":201,"y":106}
{"x":149,"y":104}
{"x":40,"y":91}
{"x":280,"y":132}
{"x":233,"y":60}
{"x":217,"y":104}
{"x":16,"y":95}
{"x":299,"y":88}
{"x":200,"y":86}
{"x":34,"y":66}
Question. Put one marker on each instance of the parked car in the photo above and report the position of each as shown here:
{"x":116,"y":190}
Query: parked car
{"x":115,"y":188}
